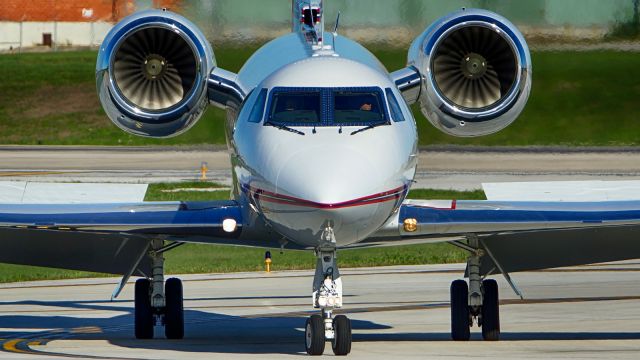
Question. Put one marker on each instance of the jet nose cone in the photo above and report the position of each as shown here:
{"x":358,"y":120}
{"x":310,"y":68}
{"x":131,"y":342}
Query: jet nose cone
{"x":338,"y":188}
{"x":328,"y":176}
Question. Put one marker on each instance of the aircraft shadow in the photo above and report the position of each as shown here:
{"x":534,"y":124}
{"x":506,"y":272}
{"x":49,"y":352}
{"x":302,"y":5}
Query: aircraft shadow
{"x":214,"y":332}
{"x":204,"y":331}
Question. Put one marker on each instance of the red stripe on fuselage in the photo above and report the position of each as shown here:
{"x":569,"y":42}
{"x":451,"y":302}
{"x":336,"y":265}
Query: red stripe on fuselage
{"x":290,"y":200}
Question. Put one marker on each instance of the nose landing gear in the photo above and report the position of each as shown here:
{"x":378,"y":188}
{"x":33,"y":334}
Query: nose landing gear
{"x":327,"y":296}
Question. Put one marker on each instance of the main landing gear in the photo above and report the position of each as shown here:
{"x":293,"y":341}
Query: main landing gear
{"x":158,"y":302}
{"x":327,"y":296}
{"x":477,"y":302}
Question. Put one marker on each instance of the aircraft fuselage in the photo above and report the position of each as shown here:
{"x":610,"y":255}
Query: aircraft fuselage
{"x":328,"y":174}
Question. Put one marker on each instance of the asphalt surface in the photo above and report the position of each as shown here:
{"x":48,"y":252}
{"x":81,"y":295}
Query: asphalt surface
{"x":397,"y":313}
{"x":460,"y":168}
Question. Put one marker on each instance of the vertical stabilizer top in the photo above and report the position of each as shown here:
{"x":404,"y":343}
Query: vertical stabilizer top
{"x":307,"y":19}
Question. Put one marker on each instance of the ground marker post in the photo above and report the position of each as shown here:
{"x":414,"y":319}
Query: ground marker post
{"x":203,"y":171}
{"x":267,"y":261}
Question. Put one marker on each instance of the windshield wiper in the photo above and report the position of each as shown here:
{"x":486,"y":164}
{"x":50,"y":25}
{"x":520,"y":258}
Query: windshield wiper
{"x":369,"y":127}
{"x":286,"y":128}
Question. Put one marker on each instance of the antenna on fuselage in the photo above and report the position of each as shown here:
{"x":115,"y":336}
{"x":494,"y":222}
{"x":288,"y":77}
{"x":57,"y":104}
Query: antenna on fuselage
{"x":335,"y":31}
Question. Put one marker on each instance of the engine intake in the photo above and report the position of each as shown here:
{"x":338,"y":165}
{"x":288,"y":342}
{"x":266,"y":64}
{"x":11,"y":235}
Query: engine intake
{"x":476,"y":72}
{"x":152,"y":74}
{"x":155,"y":68}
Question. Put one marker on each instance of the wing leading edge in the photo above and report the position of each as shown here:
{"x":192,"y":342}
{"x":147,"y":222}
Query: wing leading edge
{"x":109,"y":238}
{"x":523,"y":235}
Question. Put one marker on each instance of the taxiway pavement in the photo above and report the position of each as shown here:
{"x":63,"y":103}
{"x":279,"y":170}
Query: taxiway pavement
{"x":589,"y":312}
{"x":456,"y":168}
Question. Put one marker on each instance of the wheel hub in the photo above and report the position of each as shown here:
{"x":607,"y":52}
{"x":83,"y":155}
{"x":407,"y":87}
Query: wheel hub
{"x":308,"y":335}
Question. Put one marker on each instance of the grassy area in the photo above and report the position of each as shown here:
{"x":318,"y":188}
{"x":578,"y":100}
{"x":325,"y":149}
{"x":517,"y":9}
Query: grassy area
{"x":186,"y":192}
{"x":577,"y":98}
{"x":51,"y":99}
{"x":585,"y":98}
{"x":195,"y":258}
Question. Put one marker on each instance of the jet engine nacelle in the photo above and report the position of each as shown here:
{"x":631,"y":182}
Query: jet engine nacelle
{"x":152,"y":73}
{"x":475,"y":72}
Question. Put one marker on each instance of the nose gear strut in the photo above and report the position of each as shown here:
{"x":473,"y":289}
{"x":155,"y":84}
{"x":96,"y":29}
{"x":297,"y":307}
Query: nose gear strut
{"x":327,"y":296}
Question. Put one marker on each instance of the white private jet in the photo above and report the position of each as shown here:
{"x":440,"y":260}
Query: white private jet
{"x":323,"y":149}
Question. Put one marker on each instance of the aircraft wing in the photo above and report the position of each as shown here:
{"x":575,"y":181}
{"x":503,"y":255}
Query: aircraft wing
{"x":110,"y":238}
{"x":519,"y":236}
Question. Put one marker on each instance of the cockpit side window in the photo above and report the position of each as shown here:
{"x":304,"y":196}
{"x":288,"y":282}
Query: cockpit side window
{"x":258,"y":107}
{"x":362,"y":107}
{"x":296,"y":107}
{"x":396,"y":111}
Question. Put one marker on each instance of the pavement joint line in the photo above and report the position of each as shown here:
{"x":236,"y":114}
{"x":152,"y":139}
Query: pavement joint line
{"x":244,"y":278}
{"x":427,"y":272}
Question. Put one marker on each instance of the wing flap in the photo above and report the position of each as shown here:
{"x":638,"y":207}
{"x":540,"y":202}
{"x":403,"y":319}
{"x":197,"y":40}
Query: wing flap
{"x":536,"y":250}
{"x":111,"y":253}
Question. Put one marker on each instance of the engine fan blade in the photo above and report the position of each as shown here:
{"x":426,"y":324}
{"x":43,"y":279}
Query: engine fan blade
{"x":474,"y":67}
{"x":154,"y":68}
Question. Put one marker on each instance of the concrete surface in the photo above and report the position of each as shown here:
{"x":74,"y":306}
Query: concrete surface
{"x":401,"y":312}
{"x":460,"y":168}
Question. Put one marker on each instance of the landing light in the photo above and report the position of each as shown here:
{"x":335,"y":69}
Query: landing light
{"x":410,"y":225}
{"x":229,"y":225}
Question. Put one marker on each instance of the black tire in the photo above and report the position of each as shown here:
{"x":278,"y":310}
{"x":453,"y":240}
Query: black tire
{"x":173,"y":311}
{"x":341,"y":343}
{"x":490,"y":311}
{"x":143,"y":311}
{"x":314,"y":335}
{"x":460,"y":311}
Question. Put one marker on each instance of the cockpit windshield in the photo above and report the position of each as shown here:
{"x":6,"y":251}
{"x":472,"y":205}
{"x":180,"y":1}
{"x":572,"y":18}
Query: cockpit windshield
{"x":296,"y":107}
{"x":357,"y":107}
{"x":327,"y":107}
